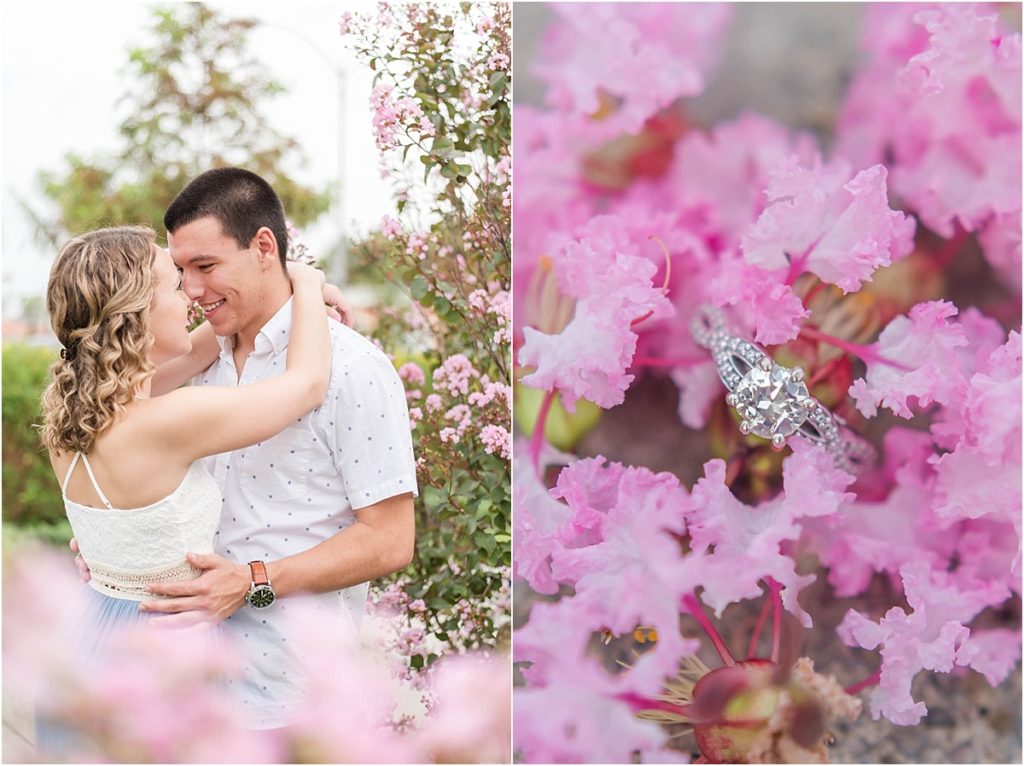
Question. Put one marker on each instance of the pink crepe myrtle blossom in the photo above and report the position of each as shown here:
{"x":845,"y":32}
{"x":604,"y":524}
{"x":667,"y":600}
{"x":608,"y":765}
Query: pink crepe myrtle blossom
{"x":589,"y":358}
{"x":723,"y":173}
{"x":773,"y":308}
{"x":497,"y":440}
{"x":929,"y":637}
{"x":541,"y":524}
{"x":641,"y":58}
{"x":390,"y":228}
{"x":821,"y":220}
{"x":943,"y":99}
{"x":412,"y":373}
{"x":623,"y":560}
{"x":471,"y":721}
{"x":391,"y":115}
{"x":878,"y":535}
{"x":981,"y":476}
{"x":746,"y":541}
{"x":966,"y":88}
{"x":492,"y":391}
{"x":462,"y":415}
{"x":498,"y":61}
{"x":924,"y":342}
{"x":415,"y":416}
{"x":454,"y":374}
{"x":345,"y":23}
{"x":569,"y":712}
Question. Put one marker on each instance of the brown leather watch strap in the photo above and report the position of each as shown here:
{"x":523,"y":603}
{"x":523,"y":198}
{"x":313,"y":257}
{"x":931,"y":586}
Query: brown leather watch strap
{"x":259,"y":573}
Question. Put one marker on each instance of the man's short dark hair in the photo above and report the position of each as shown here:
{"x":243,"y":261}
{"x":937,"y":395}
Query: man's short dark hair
{"x":238,"y":198}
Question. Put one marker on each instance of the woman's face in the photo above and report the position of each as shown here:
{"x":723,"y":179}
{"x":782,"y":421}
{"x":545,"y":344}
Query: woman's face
{"x":168,"y":313}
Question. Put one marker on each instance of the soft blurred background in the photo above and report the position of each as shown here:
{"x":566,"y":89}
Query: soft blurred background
{"x":791,"y":62}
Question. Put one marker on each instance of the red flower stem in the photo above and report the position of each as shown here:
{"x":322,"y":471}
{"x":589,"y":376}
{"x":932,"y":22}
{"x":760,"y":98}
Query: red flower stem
{"x":866,"y":353}
{"x":694,"y":607}
{"x":537,"y":438}
{"x":796,"y":266}
{"x":756,"y":636}
{"x":775,"y":588}
{"x":818,"y":287}
{"x":871,"y":680}
{"x":638,"y":702}
{"x":679,"y":361}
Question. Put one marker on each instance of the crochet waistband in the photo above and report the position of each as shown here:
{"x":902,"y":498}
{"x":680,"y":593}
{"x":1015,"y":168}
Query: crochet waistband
{"x":131,"y":583}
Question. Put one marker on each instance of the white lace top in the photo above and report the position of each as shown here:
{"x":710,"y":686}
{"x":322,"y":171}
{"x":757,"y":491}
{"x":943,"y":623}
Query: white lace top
{"x":127,"y":548}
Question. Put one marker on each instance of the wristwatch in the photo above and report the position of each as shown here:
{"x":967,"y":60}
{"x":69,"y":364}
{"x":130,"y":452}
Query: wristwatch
{"x":261,"y":594}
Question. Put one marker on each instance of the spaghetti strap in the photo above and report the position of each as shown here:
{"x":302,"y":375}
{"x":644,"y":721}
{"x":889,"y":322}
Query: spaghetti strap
{"x":67,"y":476}
{"x":92,"y":477}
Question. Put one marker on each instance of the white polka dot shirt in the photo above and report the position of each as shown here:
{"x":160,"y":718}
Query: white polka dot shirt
{"x":295,"y":490}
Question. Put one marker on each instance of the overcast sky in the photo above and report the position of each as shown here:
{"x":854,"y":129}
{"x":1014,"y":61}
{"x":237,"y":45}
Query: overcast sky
{"x":63,"y":69}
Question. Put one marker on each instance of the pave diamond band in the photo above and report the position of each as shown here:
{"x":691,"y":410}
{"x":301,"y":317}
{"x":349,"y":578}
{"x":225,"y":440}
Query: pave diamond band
{"x":773,"y":401}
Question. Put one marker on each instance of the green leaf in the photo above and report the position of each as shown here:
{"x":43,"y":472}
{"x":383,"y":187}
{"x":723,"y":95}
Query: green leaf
{"x":419,"y":288}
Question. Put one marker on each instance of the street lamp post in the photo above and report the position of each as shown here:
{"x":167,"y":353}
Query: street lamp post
{"x":339,"y":265}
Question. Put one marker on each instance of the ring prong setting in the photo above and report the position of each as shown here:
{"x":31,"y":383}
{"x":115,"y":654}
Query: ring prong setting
{"x":778,"y":442}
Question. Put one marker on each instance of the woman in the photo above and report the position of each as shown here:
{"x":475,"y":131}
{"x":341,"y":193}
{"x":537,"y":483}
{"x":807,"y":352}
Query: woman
{"x":126,"y":457}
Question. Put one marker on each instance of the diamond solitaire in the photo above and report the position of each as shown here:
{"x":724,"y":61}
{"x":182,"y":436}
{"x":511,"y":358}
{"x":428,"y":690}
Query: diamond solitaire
{"x":772,"y":400}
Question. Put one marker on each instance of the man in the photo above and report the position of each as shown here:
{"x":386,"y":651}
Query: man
{"x":323,"y":507}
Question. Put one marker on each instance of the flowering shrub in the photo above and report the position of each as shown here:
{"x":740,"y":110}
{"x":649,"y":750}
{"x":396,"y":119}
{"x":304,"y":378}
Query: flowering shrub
{"x":160,"y":695}
{"x":629,"y":218}
{"x":442,"y":124}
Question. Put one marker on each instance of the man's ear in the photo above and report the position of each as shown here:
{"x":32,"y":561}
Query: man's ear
{"x":266,"y":244}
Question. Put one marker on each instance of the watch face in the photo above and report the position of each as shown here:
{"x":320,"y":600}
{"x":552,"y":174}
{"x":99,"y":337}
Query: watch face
{"x":261,"y":597}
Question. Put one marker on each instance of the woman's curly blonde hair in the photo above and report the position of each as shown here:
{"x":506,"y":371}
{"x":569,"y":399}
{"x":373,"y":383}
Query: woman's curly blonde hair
{"x":99,"y":295}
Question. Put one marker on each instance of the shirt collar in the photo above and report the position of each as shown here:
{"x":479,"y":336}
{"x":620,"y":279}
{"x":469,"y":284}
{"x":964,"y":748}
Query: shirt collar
{"x":273,"y":336}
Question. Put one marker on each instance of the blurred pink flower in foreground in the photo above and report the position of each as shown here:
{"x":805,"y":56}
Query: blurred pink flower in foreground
{"x":161,"y":695}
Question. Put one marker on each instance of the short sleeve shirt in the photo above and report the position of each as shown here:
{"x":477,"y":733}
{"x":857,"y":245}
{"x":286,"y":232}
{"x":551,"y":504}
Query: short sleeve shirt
{"x":303,"y":486}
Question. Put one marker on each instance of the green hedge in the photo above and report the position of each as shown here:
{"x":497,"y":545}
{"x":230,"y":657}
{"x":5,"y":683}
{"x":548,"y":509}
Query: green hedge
{"x":31,"y":495}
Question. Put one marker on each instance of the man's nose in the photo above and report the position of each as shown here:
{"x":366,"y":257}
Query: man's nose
{"x":192,"y":286}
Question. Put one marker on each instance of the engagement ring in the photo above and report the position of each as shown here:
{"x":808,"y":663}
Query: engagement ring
{"x":773,"y":401}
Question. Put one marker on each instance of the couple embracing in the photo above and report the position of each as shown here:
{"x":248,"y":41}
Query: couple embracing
{"x":286,"y":468}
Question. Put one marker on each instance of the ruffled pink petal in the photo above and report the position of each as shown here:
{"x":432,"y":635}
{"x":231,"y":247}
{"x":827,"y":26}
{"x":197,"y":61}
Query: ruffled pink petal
{"x":542,"y":525}
{"x":924,"y":342}
{"x":993,"y":653}
{"x":761,"y":299}
{"x":640,"y":58}
{"x":837,"y":227}
{"x":740,"y":545}
{"x":589,"y":358}
{"x":929,"y":637}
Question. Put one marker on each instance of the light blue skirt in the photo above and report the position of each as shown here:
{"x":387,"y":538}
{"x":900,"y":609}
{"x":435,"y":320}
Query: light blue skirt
{"x":104,"y":617}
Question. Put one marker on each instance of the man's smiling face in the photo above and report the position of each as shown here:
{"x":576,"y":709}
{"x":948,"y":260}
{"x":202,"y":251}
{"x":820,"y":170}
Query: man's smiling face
{"x":223,"y":278}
